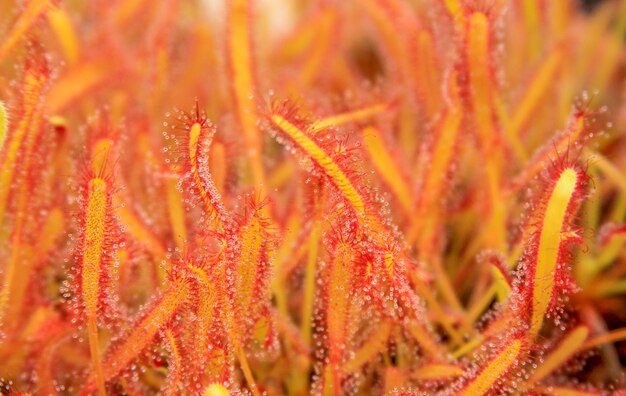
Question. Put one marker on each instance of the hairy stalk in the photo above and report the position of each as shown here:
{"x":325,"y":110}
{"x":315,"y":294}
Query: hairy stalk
{"x":205,"y":311}
{"x":323,"y":160}
{"x":199,"y":143}
{"x":249,"y":262}
{"x":175,"y":365}
{"x":142,"y":333}
{"x":339,"y":286}
{"x":32,"y":87}
{"x":550,"y":242}
{"x":494,"y":370}
{"x":94,"y":240}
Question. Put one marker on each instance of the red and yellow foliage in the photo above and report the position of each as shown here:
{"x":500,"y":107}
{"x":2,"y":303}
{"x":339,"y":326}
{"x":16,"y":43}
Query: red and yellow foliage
{"x":367,"y":197}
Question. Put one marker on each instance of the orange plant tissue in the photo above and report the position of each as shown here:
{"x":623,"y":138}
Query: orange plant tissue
{"x":313,"y":197}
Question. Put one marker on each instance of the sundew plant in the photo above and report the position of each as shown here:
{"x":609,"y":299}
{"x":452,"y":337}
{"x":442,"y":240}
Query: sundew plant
{"x":312,"y":197}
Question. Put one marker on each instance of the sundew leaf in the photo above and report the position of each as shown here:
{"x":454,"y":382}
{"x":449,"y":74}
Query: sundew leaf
{"x":364,"y":197}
